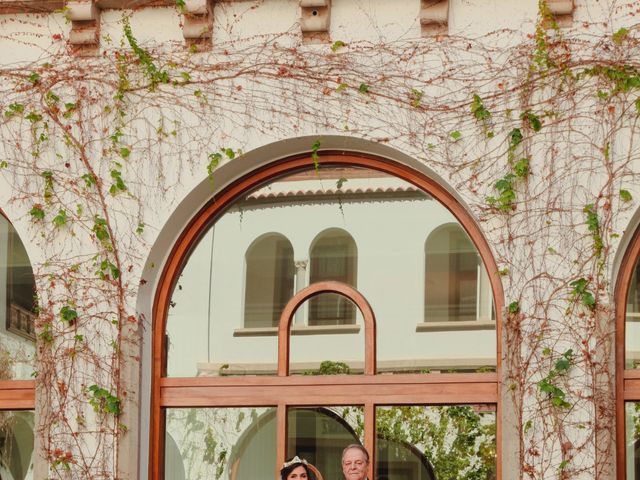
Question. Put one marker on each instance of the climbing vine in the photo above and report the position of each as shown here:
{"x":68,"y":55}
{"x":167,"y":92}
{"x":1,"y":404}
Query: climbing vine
{"x":539,"y":139}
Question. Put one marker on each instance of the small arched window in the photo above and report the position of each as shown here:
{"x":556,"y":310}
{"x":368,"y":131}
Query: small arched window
{"x":269,"y":280}
{"x":334,"y":256}
{"x":456,"y":282}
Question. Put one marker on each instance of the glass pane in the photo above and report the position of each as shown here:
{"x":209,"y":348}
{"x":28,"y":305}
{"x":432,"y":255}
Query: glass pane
{"x":16,"y":445}
{"x":17,"y":306}
{"x":632,"y":324}
{"x":632,"y":429}
{"x":432,"y":443}
{"x":333,"y":257}
{"x":327,"y":349}
{"x":404,"y":251}
{"x":453,"y":268}
{"x":319,"y":434}
{"x":269,"y":280}
{"x":220,"y":443}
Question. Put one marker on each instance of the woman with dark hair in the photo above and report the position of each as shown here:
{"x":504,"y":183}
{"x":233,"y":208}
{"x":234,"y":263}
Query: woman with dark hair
{"x":295,"y":469}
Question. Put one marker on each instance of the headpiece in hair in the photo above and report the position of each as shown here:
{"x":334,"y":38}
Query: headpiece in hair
{"x":293,"y":461}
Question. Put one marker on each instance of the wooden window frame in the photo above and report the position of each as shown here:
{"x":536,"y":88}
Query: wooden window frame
{"x":627,"y":381}
{"x":368,"y":389}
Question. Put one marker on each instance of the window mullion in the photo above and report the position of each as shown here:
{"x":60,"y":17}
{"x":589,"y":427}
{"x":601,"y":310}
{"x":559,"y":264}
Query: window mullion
{"x":370,"y":435}
{"x":281,"y":439}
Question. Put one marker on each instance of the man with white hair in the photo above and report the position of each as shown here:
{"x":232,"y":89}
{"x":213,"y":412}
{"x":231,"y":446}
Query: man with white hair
{"x":355,"y":462}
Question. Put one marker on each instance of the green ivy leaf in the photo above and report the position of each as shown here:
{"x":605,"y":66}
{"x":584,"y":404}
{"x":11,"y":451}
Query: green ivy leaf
{"x":314,"y":154}
{"x":60,"y":219}
{"x":455,"y":135}
{"x":51,"y":98}
{"x":214,"y":160}
{"x":89,"y":179}
{"x":34,"y":117}
{"x":478,"y":109}
{"x":37,"y":212}
{"x":363,"y":88}
{"x":515,"y":138}
{"x":619,"y":36}
{"x":625,"y":195}
{"x":118,"y":185}
{"x":521,"y":167}
{"x":103,"y":401}
{"x":416,"y":97}
{"x":14,"y":109}
{"x":337,"y":45}
{"x":533,"y":120}
{"x":100,"y":228}
{"x":68,"y":314}
{"x":514,"y":307}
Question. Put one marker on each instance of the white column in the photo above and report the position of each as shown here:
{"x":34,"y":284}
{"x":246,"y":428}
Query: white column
{"x":301,"y":282}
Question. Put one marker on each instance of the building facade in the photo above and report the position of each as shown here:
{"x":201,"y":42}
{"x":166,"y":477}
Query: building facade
{"x":237,"y":231}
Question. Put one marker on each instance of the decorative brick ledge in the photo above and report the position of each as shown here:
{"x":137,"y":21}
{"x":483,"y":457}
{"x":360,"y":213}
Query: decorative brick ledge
{"x":315,"y":20}
{"x":563,"y":11}
{"x":434,"y":17}
{"x":85,"y":26}
{"x":197,"y":24}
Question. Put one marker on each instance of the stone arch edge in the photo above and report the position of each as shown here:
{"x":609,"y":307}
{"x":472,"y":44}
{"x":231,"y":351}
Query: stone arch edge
{"x":135,"y":450}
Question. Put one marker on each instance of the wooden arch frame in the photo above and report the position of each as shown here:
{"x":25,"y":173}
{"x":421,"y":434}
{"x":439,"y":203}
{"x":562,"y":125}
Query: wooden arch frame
{"x":459,"y":388}
{"x":17,"y":394}
{"x":627,"y":381}
{"x":312,"y":291}
{"x":284,"y":337}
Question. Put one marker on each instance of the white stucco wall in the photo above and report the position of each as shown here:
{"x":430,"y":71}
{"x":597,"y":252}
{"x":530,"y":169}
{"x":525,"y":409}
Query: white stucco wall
{"x":283,"y":117}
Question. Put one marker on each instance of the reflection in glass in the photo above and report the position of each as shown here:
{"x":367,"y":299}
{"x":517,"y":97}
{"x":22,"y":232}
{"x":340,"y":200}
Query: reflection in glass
{"x":16,"y":445}
{"x":17,"y":306}
{"x":431,"y":443}
{"x":220,"y":443}
{"x":333,"y":257}
{"x":404,"y":251}
{"x":453,"y":272}
{"x":632,"y":429}
{"x":319,"y":434}
{"x":269,"y":280}
{"x":327,"y":349}
{"x":632,"y":322}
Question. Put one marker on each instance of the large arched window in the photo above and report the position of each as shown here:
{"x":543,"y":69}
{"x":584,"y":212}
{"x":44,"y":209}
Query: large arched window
{"x":232,"y":402}
{"x":17,"y":352}
{"x":269,"y":280}
{"x":628,"y":362}
{"x":334,"y":256}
